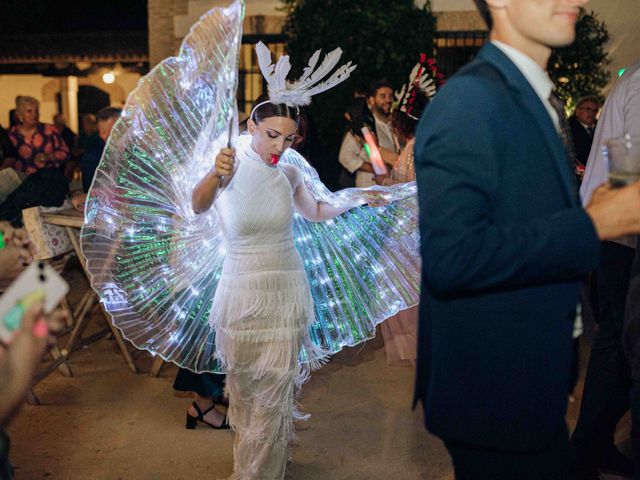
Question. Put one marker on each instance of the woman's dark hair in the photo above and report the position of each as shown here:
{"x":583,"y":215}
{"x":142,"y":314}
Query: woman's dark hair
{"x":268,"y":110}
{"x":485,"y":13}
{"x":402,"y":122}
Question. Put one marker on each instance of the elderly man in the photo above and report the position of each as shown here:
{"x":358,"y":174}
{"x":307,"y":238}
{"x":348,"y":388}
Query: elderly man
{"x":583,"y":125}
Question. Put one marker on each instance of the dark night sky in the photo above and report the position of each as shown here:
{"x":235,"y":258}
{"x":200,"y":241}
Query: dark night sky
{"x":35,"y":16}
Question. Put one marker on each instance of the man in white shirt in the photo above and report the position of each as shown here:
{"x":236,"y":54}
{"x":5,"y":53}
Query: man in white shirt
{"x":505,"y":244}
{"x":353,"y":156}
{"x":607,"y":385}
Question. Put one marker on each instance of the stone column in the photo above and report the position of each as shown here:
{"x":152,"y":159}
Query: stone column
{"x":69,"y":94}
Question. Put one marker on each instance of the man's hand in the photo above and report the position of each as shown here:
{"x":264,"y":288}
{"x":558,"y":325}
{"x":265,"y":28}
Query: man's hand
{"x":615,"y":212}
{"x":389,"y":157}
{"x":78,"y":201}
{"x":380,"y":179}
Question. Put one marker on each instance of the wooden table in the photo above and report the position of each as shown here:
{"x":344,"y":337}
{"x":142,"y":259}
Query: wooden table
{"x":72,"y":221}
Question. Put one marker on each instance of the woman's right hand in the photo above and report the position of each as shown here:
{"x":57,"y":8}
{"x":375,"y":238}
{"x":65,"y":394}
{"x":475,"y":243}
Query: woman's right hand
{"x":225,"y":161}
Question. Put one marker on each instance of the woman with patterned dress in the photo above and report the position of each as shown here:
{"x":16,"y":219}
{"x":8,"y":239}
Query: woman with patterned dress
{"x":38,"y":145}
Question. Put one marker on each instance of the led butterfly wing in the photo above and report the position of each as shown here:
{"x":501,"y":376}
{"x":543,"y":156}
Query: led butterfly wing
{"x":154,"y":263}
{"x":363,"y":266}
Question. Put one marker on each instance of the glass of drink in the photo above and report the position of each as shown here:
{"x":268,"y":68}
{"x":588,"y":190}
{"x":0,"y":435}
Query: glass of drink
{"x":623,"y":155}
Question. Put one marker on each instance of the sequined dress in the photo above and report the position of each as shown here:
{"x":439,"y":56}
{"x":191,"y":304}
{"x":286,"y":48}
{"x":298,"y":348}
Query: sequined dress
{"x":262,"y":311}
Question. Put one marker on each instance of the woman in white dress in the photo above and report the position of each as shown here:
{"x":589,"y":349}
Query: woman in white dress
{"x":248,"y":287}
{"x":263,"y":307}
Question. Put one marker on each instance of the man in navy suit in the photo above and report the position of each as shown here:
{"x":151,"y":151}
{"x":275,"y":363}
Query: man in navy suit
{"x":505,"y":244}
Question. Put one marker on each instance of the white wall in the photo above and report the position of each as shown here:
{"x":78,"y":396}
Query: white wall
{"x":35,"y":86}
{"x":45,"y":89}
{"x":197,"y":8}
{"x":449,"y":5}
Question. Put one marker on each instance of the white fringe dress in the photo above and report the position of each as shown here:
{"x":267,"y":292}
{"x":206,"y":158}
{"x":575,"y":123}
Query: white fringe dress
{"x":261,"y":312}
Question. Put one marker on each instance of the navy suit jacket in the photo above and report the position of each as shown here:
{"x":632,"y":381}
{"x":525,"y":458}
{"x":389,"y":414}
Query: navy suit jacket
{"x":504,"y":244}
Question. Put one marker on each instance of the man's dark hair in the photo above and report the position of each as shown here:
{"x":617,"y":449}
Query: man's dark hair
{"x":108,"y":113}
{"x":588,"y":98}
{"x":485,"y":13}
{"x":377,"y":85}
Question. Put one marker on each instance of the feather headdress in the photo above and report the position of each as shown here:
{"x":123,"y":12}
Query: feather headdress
{"x":424,"y":78}
{"x":298,"y":93}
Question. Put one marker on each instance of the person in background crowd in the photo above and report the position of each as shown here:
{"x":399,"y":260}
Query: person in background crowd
{"x":65,"y":132}
{"x":608,"y":382}
{"x":400,"y":331}
{"x":20,"y":359}
{"x":7,"y":151}
{"x":352,"y":154}
{"x":88,"y":134}
{"x":583,"y":125}
{"x":89,"y":161}
{"x":38,"y":145}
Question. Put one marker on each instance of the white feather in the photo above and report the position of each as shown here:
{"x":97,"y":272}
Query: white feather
{"x":299,"y":93}
{"x":264,"y":61}
{"x":313,"y":61}
{"x":338,"y":76}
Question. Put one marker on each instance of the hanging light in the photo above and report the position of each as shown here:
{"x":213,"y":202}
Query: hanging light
{"x":109,"y":77}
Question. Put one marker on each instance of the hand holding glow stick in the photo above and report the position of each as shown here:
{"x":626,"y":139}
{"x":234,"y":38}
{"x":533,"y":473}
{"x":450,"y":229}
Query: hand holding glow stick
{"x":374,"y":154}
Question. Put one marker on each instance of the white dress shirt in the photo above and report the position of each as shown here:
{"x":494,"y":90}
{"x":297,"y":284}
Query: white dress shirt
{"x":620,"y":115}
{"x":535,"y":75}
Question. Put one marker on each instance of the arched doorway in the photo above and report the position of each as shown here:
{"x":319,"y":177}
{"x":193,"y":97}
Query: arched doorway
{"x":91,"y":99}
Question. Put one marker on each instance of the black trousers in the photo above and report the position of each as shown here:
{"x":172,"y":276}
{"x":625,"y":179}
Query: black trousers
{"x":204,"y":384}
{"x":605,"y":398}
{"x":471,"y":462}
{"x":635,"y":427}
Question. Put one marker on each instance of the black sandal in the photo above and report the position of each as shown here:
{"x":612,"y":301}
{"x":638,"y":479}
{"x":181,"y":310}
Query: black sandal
{"x":193,"y":421}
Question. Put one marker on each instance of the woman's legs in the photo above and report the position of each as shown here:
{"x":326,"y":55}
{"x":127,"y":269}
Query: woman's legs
{"x":261,"y":383}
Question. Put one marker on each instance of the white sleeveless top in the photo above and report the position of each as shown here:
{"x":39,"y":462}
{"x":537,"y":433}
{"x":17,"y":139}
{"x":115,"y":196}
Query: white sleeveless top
{"x":263,"y":294}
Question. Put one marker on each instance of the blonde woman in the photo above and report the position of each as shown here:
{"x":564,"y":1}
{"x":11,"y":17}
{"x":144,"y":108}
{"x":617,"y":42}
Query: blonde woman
{"x":38,"y":145}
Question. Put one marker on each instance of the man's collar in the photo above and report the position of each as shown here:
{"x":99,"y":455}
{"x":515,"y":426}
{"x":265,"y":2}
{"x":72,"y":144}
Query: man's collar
{"x":535,"y":75}
{"x":377,"y":118}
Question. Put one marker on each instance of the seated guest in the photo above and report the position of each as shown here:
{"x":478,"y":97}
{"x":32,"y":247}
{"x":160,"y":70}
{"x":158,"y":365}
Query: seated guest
{"x":89,"y":161}
{"x":38,"y":145}
{"x":7,"y":152}
{"x":88,"y":134}
{"x":60,"y":122}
